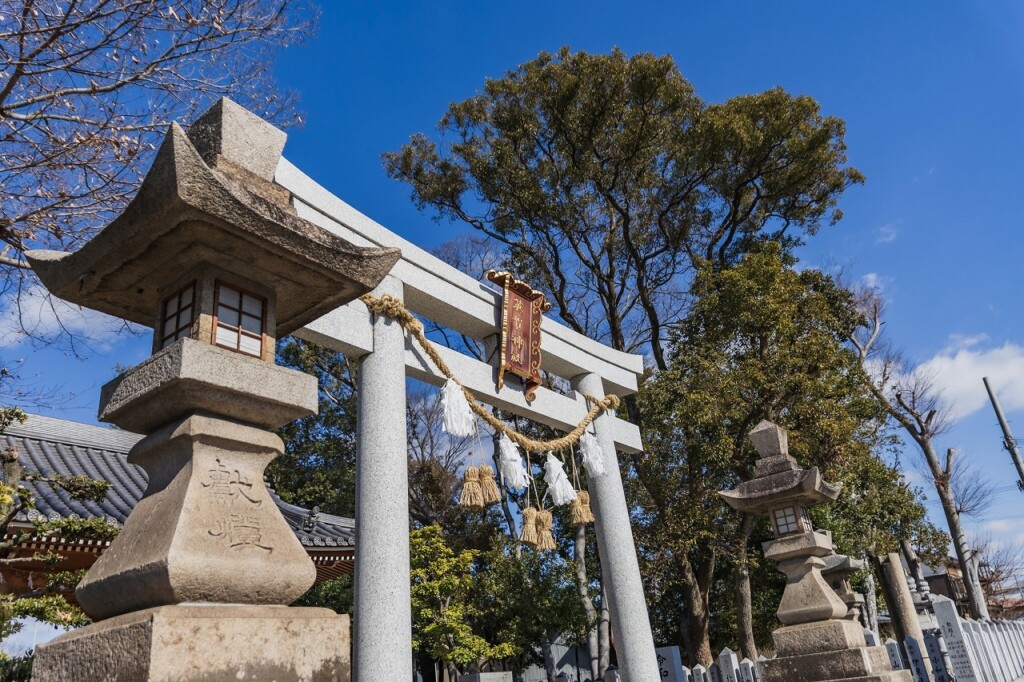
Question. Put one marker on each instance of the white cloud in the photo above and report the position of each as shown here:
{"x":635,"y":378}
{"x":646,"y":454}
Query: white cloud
{"x":875,"y":281}
{"x":37,"y":316}
{"x":957,"y":372}
{"x":1000,"y":526}
{"x":887,"y":233}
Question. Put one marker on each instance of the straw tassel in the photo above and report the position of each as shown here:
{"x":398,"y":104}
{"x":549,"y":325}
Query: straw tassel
{"x":580,"y":511}
{"x":593,"y":456}
{"x":510,"y":463}
{"x":528,"y":536}
{"x":472,"y":497}
{"x":489,"y":492}
{"x":545,"y":540}
{"x":458,"y":417}
{"x":559,"y":487}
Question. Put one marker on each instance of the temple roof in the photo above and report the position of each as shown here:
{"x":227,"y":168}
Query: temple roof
{"x":47,"y":445}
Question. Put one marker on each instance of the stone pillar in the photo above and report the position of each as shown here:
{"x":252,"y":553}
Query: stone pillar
{"x":383,"y":628}
{"x":900,"y":601}
{"x":634,"y":643}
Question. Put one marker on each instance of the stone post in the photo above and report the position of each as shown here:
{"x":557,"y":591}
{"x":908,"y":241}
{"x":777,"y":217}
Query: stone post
{"x":901,"y":602}
{"x":383,"y":628}
{"x":634,"y":643}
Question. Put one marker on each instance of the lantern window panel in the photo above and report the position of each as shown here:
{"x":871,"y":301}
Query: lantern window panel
{"x":178,"y":315}
{"x":241,"y":320}
{"x":786,"y":521}
{"x":805,"y":517}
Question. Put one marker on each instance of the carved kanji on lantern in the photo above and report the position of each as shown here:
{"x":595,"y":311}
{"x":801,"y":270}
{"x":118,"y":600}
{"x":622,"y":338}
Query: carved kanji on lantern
{"x":522,"y":310}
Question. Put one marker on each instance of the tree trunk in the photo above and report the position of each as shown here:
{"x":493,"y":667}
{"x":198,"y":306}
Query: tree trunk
{"x":695,"y":618}
{"x":604,"y":637}
{"x":870,"y":599}
{"x":583,"y":588}
{"x":975,"y":593}
{"x":744,"y":600}
{"x":901,"y":605}
{"x":510,"y":521}
{"x":549,"y":658}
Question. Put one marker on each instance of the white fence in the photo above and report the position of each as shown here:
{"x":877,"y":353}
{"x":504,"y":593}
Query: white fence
{"x":969,"y":650}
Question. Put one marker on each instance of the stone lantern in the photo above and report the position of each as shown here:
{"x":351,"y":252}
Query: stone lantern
{"x":817,"y":641}
{"x":837,"y":572}
{"x":210,"y":255}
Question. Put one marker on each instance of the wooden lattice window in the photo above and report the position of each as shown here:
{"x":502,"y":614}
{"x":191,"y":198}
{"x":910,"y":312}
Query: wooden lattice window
{"x":178,"y":315}
{"x":240,"y":320}
{"x":785,"y":521}
{"x":806,"y":518}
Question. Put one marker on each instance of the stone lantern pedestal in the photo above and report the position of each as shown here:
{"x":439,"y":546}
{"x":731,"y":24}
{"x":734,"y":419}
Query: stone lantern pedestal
{"x":210,"y":254}
{"x":817,"y":641}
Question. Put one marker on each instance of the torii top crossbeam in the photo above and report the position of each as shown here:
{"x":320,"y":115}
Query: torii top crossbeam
{"x":458,"y":301}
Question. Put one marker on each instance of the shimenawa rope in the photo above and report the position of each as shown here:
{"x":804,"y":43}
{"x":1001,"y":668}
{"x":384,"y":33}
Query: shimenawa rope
{"x":391,"y":307}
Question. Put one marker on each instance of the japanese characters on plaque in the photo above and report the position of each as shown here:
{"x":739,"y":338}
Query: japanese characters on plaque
{"x":522,"y":310}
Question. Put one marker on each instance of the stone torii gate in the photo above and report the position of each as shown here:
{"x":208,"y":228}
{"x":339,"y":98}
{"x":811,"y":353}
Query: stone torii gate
{"x":435,"y":290}
{"x":229,"y":201}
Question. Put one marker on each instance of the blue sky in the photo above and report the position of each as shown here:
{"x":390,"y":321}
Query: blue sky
{"x":933,"y":99}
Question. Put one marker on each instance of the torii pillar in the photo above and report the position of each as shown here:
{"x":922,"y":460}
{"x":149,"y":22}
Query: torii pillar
{"x":631,"y":625}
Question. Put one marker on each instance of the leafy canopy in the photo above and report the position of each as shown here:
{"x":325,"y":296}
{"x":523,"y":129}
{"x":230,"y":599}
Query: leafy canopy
{"x":442,"y":583}
{"x":606,"y":179}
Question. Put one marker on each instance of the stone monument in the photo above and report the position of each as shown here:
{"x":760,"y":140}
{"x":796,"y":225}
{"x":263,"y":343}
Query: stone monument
{"x":817,"y":641}
{"x":212,"y":256}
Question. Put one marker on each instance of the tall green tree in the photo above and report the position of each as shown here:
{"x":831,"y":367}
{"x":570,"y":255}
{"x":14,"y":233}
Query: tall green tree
{"x":762,"y":341}
{"x":606,"y":180}
{"x":442,"y":607}
{"x":317,"y":468}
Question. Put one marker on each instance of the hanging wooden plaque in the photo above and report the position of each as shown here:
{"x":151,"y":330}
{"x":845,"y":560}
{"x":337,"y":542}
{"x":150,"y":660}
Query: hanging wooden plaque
{"x":522,"y":309}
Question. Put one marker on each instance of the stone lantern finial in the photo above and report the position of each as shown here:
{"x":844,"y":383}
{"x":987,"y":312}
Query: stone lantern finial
{"x":229,"y":132}
{"x":769,"y":439}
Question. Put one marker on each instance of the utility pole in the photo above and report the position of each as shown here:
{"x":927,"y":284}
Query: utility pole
{"x":1009,"y":442}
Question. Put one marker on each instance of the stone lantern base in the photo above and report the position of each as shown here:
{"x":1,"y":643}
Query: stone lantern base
{"x":828,"y":650}
{"x":202,"y":643}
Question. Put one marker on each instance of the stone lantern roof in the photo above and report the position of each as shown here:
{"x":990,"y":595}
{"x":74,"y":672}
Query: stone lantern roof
{"x":209,"y":198}
{"x":778,"y":480}
{"x":841,"y":566}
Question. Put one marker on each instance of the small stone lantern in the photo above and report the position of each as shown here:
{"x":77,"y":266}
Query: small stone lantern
{"x":817,"y":641}
{"x":212,"y":256}
{"x":837,"y":572}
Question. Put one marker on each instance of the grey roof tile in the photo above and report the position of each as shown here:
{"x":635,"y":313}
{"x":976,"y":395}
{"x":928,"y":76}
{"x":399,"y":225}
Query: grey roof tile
{"x":49,"y":445}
